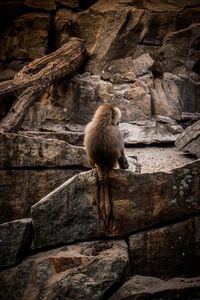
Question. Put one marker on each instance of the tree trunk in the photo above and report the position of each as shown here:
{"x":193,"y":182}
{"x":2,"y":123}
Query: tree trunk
{"x":29,"y":84}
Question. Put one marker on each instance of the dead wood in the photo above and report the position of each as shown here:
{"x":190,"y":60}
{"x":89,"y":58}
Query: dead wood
{"x":30,"y":83}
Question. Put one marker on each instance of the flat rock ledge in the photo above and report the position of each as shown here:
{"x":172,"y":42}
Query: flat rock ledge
{"x":189,"y":140}
{"x":17,"y":150}
{"x":70,"y":213}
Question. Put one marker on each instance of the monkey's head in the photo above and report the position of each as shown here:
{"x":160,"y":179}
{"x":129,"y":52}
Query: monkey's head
{"x":108,"y":114}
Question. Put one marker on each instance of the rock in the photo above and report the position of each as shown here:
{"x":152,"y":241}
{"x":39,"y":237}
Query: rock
{"x":189,"y":140}
{"x":126,"y":69}
{"x":82,"y":271}
{"x":119,"y":71}
{"x":26,"y":38}
{"x":68,"y":3}
{"x":134,"y":100}
{"x":77,"y":99}
{"x":166,"y":97}
{"x":188,"y":91}
{"x":63,"y":26}
{"x":48,"y":5}
{"x":167,"y":6}
{"x":21,"y":188}
{"x":15,"y":240}
{"x":71,"y":137}
{"x":158,"y":157}
{"x":70,"y":212}
{"x":150,"y":288}
{"x":188,"y":16}
{"x":162,"y":130}
{"x":184,"y":53}
{"x":113,"y":39}
{"x":134,"y":165}
{"x":168,"y":251}
{"x":21,"y":151}
{"x":142,"y":64}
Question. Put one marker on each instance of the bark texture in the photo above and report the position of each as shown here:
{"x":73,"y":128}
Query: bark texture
{"x":29,"y":84}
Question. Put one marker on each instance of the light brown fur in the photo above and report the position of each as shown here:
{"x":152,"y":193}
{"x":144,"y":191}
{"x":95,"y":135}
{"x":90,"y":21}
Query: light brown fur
{"x":104,"y":145}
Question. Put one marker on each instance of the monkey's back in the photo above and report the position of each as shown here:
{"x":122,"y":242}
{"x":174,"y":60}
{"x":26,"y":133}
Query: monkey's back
{"x":103,"y":145}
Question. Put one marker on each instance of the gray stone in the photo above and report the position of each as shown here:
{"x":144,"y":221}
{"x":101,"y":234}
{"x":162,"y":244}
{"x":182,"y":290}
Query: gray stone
{"x":142,"y":64}
{"x":160,"y":130}
{"x":83,"y":271}
{"x":70,"y":212}
{"x":189,"y":140}
{"x":151,"y":288}
{"x":168,"y":251}
{"x":71,"y":137}
{"x":15,"y":240}
{"x":21,"y":151}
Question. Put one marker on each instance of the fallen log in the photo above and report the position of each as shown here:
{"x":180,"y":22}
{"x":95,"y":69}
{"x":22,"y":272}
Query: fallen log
{"x":30,"y":83}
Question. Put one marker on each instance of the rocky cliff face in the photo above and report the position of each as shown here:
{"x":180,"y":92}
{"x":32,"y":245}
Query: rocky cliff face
{"x":144,"y":57}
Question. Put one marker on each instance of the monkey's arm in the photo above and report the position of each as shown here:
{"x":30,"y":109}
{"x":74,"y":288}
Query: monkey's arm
{"x":122,"y":161}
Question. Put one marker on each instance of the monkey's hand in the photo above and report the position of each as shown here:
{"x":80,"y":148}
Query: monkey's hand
{"x":123,"y":163}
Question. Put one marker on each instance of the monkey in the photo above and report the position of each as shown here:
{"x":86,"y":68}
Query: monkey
{"x":104,"y":147}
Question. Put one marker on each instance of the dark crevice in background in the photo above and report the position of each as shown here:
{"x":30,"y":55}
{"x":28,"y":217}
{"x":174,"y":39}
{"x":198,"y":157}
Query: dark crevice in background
{"x":51,"y":34}
{"x":84,"y":4}
{"x":10,"y":10}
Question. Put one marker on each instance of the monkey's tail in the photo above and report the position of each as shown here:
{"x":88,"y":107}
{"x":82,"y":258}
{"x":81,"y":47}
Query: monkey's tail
{"x":107,"y":206}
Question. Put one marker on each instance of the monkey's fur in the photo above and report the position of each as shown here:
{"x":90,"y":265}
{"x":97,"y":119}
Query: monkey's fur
{"x":104,"y":146}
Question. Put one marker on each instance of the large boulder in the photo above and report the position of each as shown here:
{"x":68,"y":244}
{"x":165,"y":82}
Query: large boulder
{"x":83,"y":271}
{"x":168,"y":251}
{"x":15,"y":240}
{"x":174,"y":95}
{"x":189,"y":140}
{"x":179,"y":48}
{"x":152,"y":130}
{"x":17,"y":150}
{"x":23,"y":187}
{"x":70,"y":212}
{"x":151,"y":288}
{"x":31,"y":167}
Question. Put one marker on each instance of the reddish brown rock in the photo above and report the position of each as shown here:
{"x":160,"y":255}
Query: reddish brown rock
{"x":83,"y":271}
